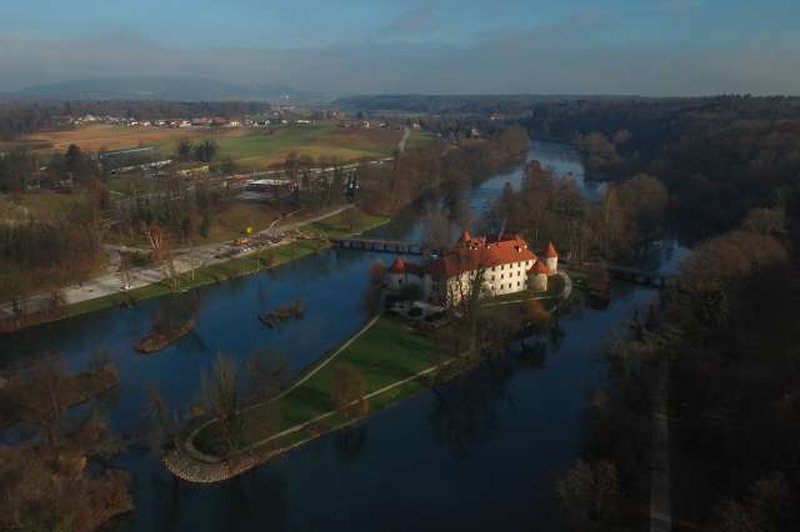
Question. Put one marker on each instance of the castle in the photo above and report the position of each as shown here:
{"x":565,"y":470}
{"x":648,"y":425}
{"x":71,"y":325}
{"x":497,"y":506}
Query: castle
{"x":506,"y":265}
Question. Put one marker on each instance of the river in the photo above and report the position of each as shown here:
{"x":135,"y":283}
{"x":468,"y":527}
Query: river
{"x":489,"y":464}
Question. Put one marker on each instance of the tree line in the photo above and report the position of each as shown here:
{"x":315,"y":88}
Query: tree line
{"x":728,"y":336}
{"x":389,"y":188}
{"x":547,"y":208}
{"x":718,"y":156}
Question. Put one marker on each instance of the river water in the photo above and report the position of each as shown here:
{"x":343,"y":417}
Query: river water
{"x":487,"y":463}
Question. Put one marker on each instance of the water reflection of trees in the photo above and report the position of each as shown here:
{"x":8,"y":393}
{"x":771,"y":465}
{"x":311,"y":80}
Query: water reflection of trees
{"x":351,"y":442}
{"x":176,"y":309}
{"x":465,"y":409}
{"x":257,"y":500}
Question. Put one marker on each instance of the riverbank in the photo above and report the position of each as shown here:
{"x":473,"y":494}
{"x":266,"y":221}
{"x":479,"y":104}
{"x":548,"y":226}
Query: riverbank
{"x":393,"y":360}
{"x":17,"y":399}
{"x":336,"y":225}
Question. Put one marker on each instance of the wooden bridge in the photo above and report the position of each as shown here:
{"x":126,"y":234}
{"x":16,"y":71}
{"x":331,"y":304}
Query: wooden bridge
{"x":404,"y":247}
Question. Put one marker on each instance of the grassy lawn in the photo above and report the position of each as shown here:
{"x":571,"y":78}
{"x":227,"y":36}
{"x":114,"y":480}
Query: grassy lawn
{"x":347,"y":223}
{"x":418,"y":139}
{"x":43,"y":205}
{"x":387,"y":353}
{"x":128,"y":184}
{"x":261,"y":149}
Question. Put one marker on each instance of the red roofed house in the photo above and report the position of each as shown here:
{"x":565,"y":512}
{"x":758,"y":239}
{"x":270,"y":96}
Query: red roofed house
{"x":506,"y":265}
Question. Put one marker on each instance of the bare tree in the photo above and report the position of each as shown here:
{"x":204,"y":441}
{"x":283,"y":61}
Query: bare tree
{"x":166,"y":419}
{"x":589,"y":492}
{"x":221,"y":395}
{"x":347,"y":391}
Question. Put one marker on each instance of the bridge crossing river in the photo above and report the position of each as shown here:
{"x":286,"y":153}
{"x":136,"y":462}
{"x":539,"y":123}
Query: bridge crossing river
{"x":404,"y":247}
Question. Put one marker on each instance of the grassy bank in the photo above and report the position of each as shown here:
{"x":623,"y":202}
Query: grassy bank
{"x":335,"y":226}
{"x":386,"y":354}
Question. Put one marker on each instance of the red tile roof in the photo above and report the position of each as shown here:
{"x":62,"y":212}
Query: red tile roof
{"x":539,"y":268}
{"x":398,"y":266}
{"x":479,"y":253}
{"x":550,"y":251}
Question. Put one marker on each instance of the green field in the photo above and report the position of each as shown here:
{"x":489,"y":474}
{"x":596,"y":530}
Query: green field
{"x":418,"y":139}
{"x":261,"y":149}
{"x":387,"y":353}
{"x":347,"y":223}
{"x":39,"y":205}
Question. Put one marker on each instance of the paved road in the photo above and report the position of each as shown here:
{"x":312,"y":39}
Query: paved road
{"x":185,"y":260}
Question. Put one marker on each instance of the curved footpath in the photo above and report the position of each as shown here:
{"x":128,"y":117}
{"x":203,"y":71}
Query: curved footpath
{"x":187,"y":468}
{"x":192,"y":465}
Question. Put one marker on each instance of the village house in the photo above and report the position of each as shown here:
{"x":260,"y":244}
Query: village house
{"x":499,"y":266}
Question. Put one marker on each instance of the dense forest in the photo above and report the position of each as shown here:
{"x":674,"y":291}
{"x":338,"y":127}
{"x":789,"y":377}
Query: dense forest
{"x":722,"y":342}
{"x":454,"y":104}
{"x":717,"y":156}
{"x":610,"y":228}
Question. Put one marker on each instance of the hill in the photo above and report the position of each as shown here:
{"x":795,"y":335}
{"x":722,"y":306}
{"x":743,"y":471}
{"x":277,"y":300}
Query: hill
{"x":173,"y":89}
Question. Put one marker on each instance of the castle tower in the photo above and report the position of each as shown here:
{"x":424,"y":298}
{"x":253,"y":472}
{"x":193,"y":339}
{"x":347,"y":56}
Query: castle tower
{"x":551,"y":258}
{"x":537,"y":277}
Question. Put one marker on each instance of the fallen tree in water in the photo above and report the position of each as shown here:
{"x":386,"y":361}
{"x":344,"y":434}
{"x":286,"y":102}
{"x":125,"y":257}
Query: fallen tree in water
{"x":161,"y":337}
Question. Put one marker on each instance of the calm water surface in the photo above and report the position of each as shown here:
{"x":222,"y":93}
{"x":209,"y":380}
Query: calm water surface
{"x":488,"y":464}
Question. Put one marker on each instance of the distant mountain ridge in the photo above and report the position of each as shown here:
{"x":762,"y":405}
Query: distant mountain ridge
{"x":175,"y":89}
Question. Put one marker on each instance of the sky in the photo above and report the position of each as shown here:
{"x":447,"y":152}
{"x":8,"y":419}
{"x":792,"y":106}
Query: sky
{"x":644,"y":47}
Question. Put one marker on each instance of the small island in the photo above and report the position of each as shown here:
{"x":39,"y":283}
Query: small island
{"x":162,"y":337}
{"x":279,"y":314}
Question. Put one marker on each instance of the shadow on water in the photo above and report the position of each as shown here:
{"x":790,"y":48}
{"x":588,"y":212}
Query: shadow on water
{"x":465,"y":409}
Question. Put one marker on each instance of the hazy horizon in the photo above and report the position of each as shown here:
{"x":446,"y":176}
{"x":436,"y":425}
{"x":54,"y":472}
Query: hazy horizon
{"x":624,"y":47}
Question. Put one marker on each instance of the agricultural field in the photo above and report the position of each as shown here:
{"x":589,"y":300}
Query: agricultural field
{"x":251,"y":149}
{"x":107,"y":137}
{"x":417,"y":139}
{"x":262,"y":149}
